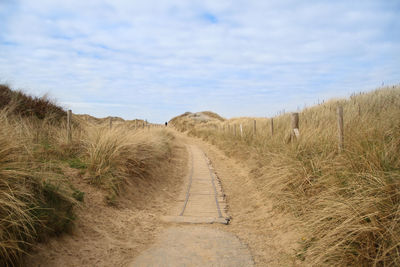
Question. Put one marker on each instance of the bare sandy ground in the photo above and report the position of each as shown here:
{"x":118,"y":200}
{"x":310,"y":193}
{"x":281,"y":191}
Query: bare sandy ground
{"x":133,"y":233}
{"x":195,"y":246}
{"x":186,"y":243}
{"x":112,"y":236}
{"x":271,"y":236}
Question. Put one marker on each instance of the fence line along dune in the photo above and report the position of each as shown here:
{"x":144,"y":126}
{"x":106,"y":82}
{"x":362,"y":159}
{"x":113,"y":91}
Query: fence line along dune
{"x":348,"y":203}
{"x":37,"y":198}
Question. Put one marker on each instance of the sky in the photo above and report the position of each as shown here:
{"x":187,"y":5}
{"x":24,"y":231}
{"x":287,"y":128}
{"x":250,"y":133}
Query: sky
{"x":158,"y":59}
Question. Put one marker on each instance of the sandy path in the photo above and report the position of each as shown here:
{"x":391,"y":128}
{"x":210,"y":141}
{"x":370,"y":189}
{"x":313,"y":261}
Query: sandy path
{"x":272,"y":236}
{"x":107,"y":235}
{"x":195,"y":246}
{"x":134,"y":233}
{"x":187,"y":244}
{"x":203,"y":201}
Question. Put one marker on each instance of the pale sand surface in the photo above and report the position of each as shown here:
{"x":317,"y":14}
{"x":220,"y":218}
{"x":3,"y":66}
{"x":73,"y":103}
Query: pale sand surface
{"x":186,"y":244}
{"x":134,"y":234}
{"x":107,"y":235}
{"x":195,"y":246}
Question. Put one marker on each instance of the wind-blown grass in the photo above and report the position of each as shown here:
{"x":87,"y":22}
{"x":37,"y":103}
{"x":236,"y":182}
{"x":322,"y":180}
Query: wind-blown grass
{"x":117,"y":155}
{"x":348,"y":203}
{"x":35,"y":200}
{"x":37,"y":196}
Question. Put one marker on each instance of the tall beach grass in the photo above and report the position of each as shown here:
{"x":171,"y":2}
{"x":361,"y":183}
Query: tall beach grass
{"x":37,"y":193}
{"x":347,"y":203}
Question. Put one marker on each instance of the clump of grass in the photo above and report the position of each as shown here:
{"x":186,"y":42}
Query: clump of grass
{"x":348,"y":203}
{"x":27,"y":106}
{"x":76,"y":163}
{"x":35,"y":201}
{"x":113,"y":156}
{"x":16,"y":224}
{"x":37,"y":196}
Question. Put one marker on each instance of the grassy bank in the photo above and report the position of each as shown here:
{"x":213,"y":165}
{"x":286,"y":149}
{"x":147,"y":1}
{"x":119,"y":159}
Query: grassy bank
{"x":347,"y":203}
{"x":37,"y":197}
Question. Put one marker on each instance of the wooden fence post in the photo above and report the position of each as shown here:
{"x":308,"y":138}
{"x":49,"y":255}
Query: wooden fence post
{"x":295,"y":125}
{"x":110,"y":123}
{"x":340,"y":128}
{"x":234,"y":128}
{"x":272,"y":126}
{"x":255,"y":128}
{"x":241,"y":130}
{"x":69,"y":128}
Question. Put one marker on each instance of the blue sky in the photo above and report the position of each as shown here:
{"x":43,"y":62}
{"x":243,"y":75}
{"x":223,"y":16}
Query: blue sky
{"x":157,"y":59}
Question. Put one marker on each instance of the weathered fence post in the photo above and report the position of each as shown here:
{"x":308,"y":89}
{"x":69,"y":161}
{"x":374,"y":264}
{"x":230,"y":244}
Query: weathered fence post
{"x":295,"y":125}
{"x":234,"y":128}
{"x":255,"y":128}
{"x":272,"y":126}
{"x":69,"y":128}
{"x":241,"y":130}
{"x":340,"y":128}
{"x":110,"y":123}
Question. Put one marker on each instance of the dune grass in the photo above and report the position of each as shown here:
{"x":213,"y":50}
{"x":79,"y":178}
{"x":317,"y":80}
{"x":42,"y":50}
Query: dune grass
{"x":35,"y":198}
{"x":117,"y":155}
{"x":347,"y":203}
{"x":37,"y":195}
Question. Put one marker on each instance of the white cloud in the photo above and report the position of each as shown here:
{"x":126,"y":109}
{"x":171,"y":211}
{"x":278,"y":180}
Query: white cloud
{"x":237,"y":57}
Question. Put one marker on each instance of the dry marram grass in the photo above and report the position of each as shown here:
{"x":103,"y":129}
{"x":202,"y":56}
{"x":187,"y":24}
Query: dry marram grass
{"x":348,"y":203}
{"x":37,"y":198}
